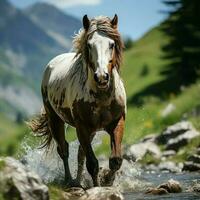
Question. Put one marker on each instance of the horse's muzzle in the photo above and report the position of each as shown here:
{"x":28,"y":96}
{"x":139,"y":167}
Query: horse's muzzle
{"x":102,"y":80}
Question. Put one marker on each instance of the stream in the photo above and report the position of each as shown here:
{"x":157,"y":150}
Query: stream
{"x":131,"y":180}
{"x":186,"y":180}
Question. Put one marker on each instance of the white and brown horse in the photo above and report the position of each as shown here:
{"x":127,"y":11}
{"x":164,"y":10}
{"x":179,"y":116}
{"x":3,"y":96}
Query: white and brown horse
{"x":84,"y":90}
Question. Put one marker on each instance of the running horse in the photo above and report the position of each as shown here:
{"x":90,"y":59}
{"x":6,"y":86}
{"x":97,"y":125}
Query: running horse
{"x":84,"y":90}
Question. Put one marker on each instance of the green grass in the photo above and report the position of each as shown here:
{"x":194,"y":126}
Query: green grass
{"x":11,"y":134}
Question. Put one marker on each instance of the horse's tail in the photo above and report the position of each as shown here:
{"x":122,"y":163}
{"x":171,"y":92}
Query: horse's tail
{"x":40,"y":127}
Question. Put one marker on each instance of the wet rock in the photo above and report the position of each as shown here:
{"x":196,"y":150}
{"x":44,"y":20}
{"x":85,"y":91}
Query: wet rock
{"x":168,"y":153}
{"x":198,"y":151}
{"x":191,"y":166}
{"x":138,"y":151}
{"x":194,"y":158}
{"x":171,"y":186}
{"x":169,"y":166}
{"x":102,"y":193}
{"x":182,"y":140}
{"x":156,"y":191}
{"x":195,"y":187}
{"x":174,"y":131}
{"x":18,"y":182}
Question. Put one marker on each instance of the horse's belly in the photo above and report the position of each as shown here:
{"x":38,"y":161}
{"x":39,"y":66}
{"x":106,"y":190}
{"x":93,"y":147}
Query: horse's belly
{"x":96,"y":117}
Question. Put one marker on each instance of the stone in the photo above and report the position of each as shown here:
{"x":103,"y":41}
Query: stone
{"x":156,"y":191}
{"x":198,"y":151}
{"x":171,"y":186}
{"x":191,"y":166}
{"x":181,"y":140}
{"x":102,"y":193}
{"x":194,"y":158}
{"x":169,"y":166}
{"x":18,"y":182}
{"x":195,"y":187}
{"x":173,"y":131}
{"x":168,"y":153}
{"x":138,"y":151}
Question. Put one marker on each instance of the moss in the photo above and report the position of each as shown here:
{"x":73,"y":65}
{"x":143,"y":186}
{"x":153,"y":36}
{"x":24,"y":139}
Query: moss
{"x":55,"y":192}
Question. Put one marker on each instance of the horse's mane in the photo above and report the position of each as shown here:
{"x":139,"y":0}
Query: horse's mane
{"x":103,"y":25}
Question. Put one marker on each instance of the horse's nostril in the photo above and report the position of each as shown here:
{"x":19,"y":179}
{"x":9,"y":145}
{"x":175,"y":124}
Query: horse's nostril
{"x":96,"y":78}
{"x":106,"y":76}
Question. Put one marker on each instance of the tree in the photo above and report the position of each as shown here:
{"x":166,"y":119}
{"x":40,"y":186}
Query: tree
{"x":183,"y":49}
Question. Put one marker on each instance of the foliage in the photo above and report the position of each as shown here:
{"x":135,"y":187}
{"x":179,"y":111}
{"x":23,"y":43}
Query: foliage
{"x":128,"y":43}
{"x":183,"y":49}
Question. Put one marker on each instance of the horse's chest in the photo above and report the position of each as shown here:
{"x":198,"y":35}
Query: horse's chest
{"x":96,"y":116}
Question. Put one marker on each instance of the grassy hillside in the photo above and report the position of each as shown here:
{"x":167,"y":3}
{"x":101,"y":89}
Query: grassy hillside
{"x":146,"y":118}
{"x":10,"y":135}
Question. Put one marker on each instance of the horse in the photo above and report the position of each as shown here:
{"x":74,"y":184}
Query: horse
{"x":84,"y":89}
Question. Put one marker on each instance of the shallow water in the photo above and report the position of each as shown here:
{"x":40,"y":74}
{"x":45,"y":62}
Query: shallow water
{"x":131,"y":180}
{"x":186,"y":180}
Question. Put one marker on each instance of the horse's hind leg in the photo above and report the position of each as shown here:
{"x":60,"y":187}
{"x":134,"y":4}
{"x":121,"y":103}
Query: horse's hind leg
{"x":58,"y":132}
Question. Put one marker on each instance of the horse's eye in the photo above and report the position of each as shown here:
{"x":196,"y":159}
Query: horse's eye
{"x":111,"y":46}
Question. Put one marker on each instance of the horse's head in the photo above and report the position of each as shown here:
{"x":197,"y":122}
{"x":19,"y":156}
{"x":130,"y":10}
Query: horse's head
{"x":102,"y":45}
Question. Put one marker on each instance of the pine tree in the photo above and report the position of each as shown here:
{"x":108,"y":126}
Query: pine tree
{"x":183,"y":49}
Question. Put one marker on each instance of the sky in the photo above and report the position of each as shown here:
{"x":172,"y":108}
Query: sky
{"x":136,"y":17}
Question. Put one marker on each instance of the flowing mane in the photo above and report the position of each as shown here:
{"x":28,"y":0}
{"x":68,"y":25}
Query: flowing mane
{"x":102,"y":25}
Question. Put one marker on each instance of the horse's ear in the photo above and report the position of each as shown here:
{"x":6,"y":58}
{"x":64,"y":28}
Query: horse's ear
{"x":114,"y":21}
{"x":86,"y":22}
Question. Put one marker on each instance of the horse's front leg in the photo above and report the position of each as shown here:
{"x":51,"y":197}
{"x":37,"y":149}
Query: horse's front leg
{"x":81,"y":159}
{"x":85,"y":136}
{"x":116,"y":131}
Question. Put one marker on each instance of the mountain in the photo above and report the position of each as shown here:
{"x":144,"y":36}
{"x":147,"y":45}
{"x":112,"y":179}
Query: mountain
{"x":26,"y":46}
{"x":55,"y":23}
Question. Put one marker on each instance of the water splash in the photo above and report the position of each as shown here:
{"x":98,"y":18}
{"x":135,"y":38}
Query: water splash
{"x":49,"y":166}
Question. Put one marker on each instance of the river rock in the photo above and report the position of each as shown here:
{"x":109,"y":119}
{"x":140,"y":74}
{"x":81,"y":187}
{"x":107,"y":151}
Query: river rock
{"x":191,"y":166}
{"x":170,"y":166}
{"x":102,"y":193}
{"x":138,"y":151}
{"x":195,"y":187}
{"x":198,"y":151}
{"x":168,"y":153}
{"x":18,"y":182}
{"x":182,"y":140}
{"x":171,"y":186}
{"x":174,"y":131}
{"x":194,"y":158}
{"x":156,"y":191}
